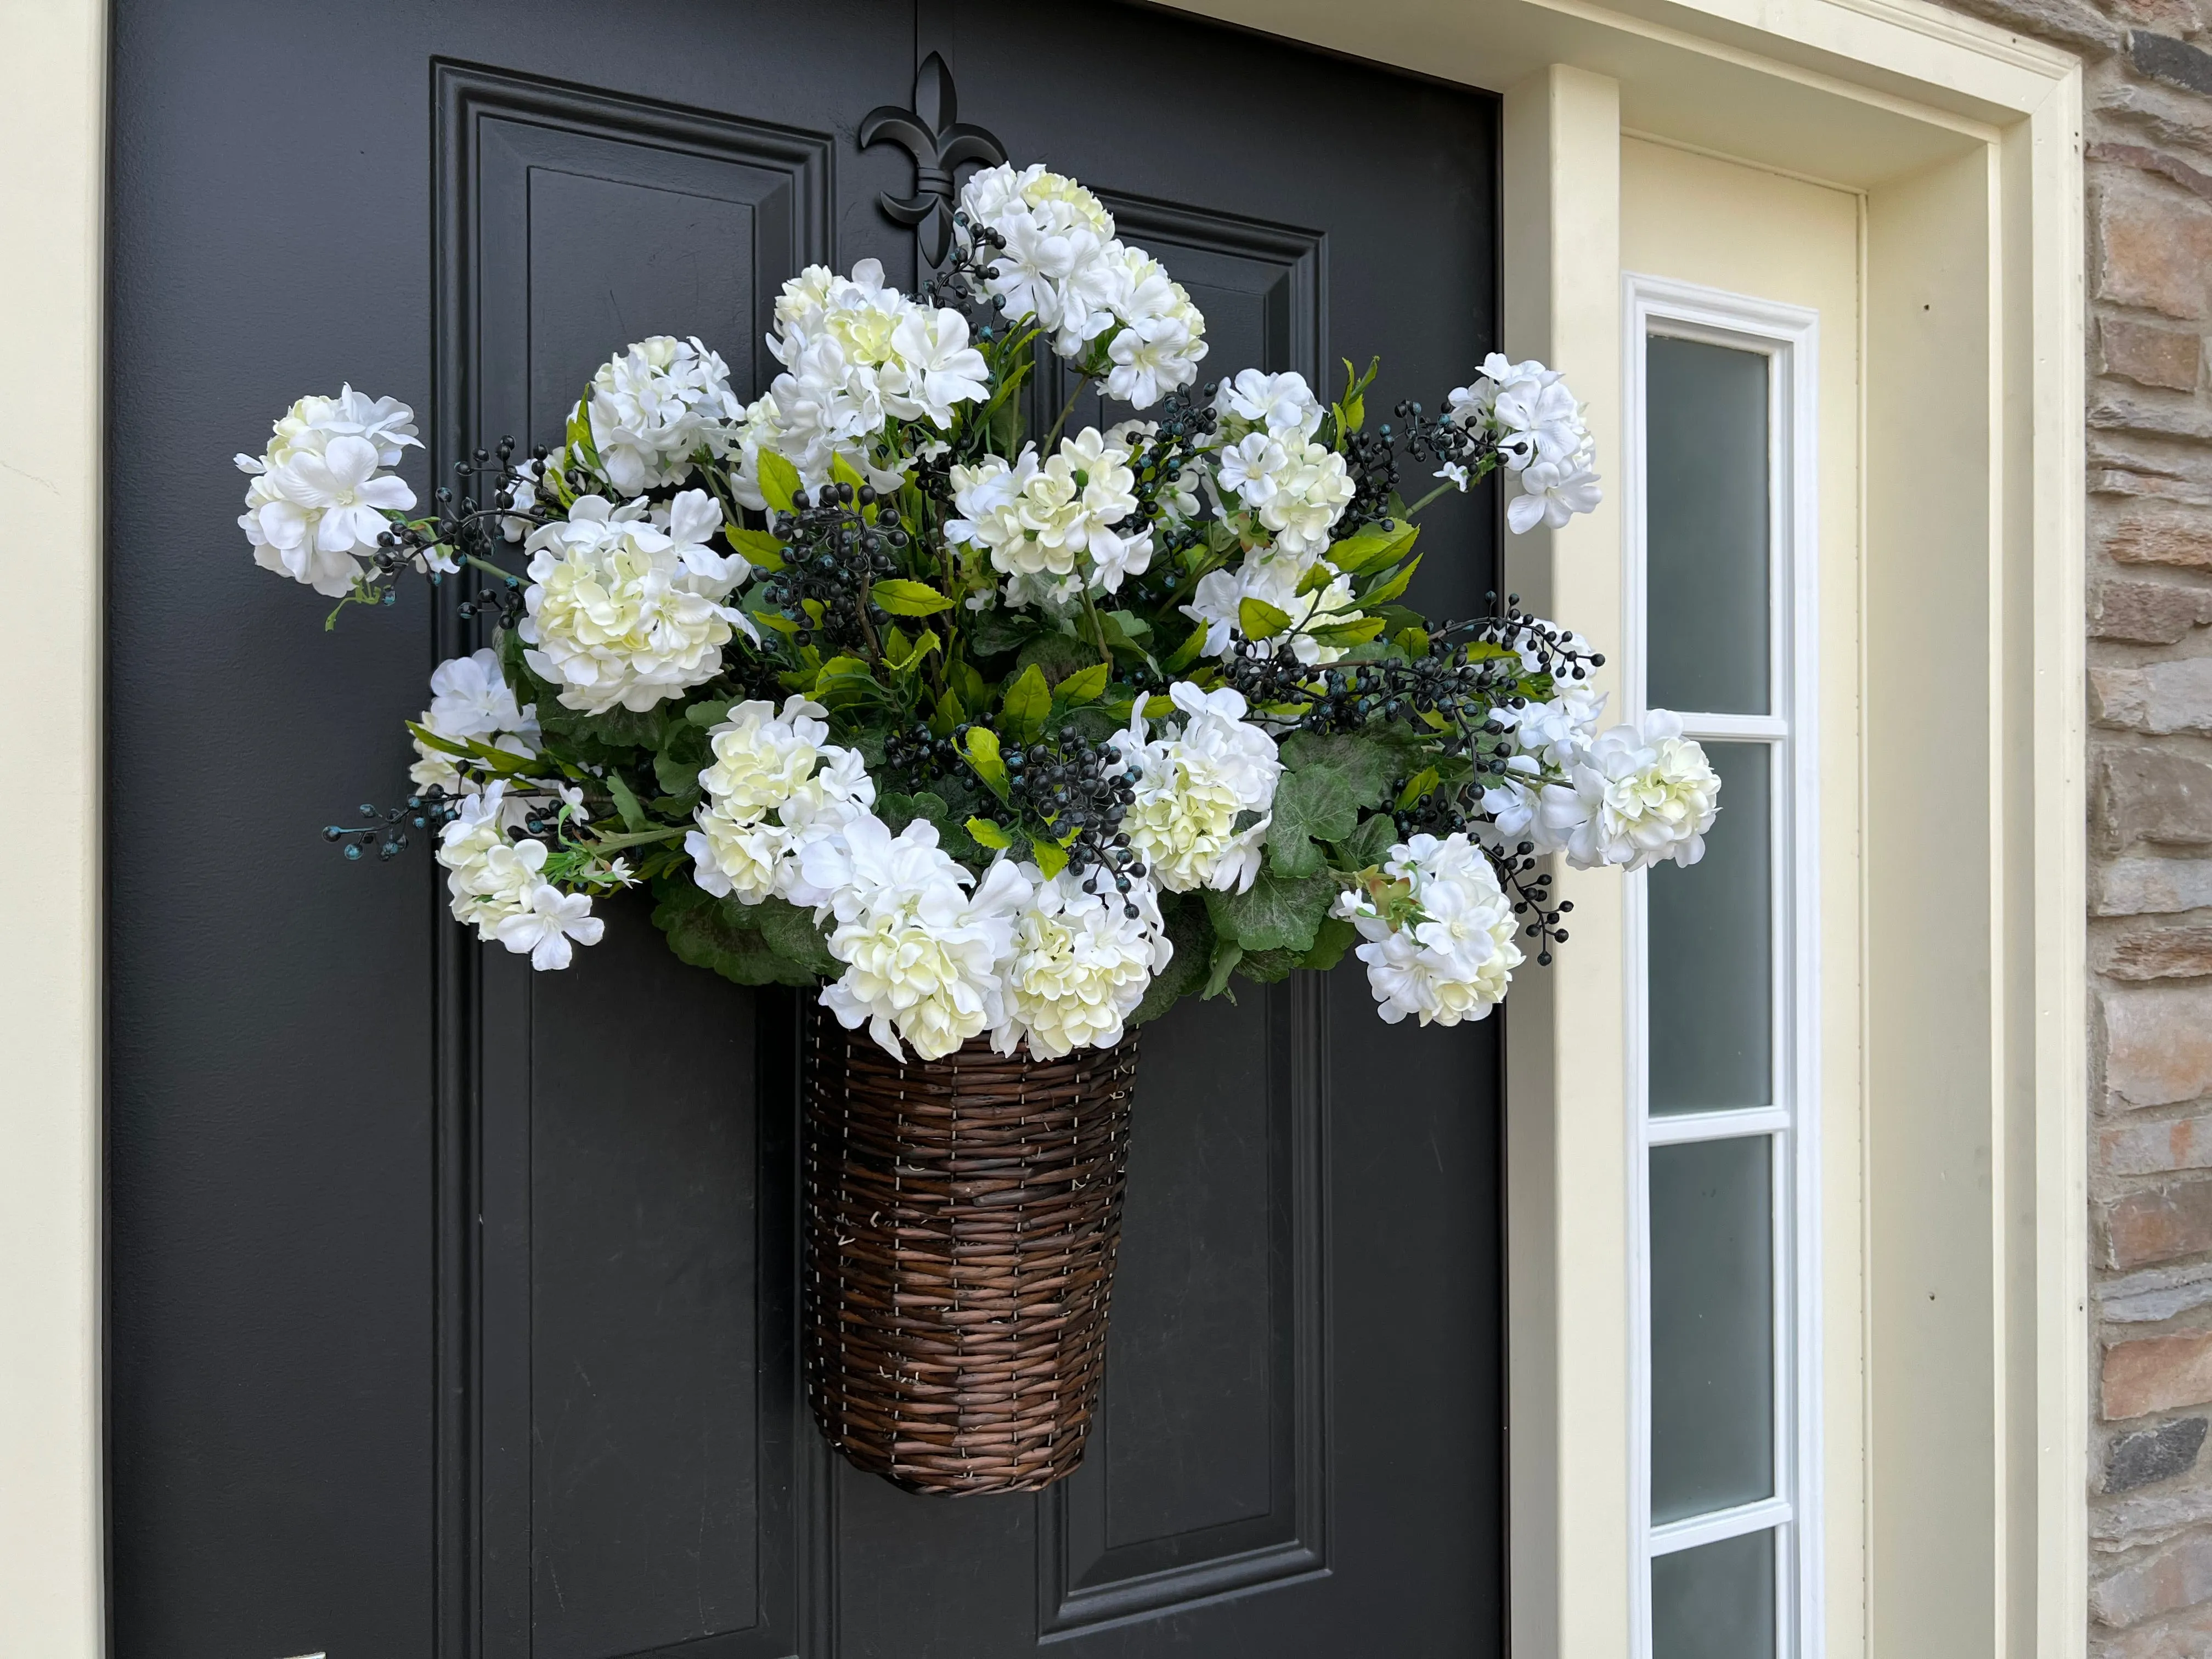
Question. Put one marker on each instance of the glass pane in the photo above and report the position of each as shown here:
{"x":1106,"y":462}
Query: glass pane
{"x":1712,"y":1325}
{"x":1705,"y":450}
{"x":1716,"y":1602}
{"x":1711,"y":949}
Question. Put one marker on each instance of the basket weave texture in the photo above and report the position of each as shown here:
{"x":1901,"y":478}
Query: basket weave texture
{"x":962,"y":1217}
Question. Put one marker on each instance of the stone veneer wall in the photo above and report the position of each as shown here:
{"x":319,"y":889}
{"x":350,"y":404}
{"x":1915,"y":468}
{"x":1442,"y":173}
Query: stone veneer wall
{"x":2148,"y":137}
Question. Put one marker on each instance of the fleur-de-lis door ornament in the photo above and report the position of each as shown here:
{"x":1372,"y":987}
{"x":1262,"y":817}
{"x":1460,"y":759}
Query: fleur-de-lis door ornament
{"x":933,"y":134}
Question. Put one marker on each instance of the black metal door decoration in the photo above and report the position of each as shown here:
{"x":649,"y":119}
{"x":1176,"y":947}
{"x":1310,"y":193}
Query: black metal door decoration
{"x":940,"y":143}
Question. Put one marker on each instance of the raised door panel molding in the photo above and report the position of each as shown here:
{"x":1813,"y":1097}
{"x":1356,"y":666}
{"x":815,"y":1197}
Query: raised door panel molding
{"x":634,"y":1475}
{"x":1207,"y":1467}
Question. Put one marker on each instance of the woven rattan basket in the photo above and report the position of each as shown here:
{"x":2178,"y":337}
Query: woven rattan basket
{"x":962,"y":1220}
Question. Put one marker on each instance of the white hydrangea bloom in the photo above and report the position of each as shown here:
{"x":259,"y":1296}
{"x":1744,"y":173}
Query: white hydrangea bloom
{"x":1193,"y":785}
{"x":320,"y":493}
{"x":1054,"y":524}
{"x":470,"y":698}
{"x":1080,"y":965}
{"x":776,"y":784}
{"x":1162,"y":336}
{"x":1543,"y":439}
{"x":1635,"y":796}
{"x":654,"y":406}
{"x":932,"y":366}
{"x":1282,"y":405}
{"x":486,"y":875}
{"x":1218,"y":599}
{"x":921,"y":951}
{"x":625,"y":612}
{"x":1454,"y":963}
{"x":1553,"y":734}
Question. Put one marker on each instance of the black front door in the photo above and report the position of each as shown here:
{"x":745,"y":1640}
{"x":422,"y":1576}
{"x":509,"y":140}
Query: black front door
{"x":454,"y":1307}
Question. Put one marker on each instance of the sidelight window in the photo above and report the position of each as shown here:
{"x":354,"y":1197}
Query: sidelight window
{"x":1722,"y":1096}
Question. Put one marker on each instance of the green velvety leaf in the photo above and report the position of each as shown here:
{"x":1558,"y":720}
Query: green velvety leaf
{"x":1275,"y":913}
{"x":1315,"y":803}
{"x":951,"y":830}
{"x":1331,"y":940}
{"x":903,"y":598}
{"x":1260,"y":621}
{"x":1027,"y":706}
{"x":793,"y":934}
{"x":1369,"y":844}
{"x":779,"y":480}
{"x":1265,"y":967}
{"x":633,"y":815}
{"x":713,"y":712}
{"x":1191,"y":936}
{"x":1057,"y":656}
{"x":994,"y":633}
{"x":721,"y":934}
{"x":1366,"y":761}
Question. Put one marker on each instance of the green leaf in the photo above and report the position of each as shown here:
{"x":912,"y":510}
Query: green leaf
{"x":779,"y":480}
{"x":713,"y":712}
{"x":1369,"y":844}
{"x":1373,"y":544}
{"x":1331,"y":940}
{"x":1027,"y":705}
{"x":1051,"y":857}
{"x":987,"y":834}
{"x":1186,"y":653}
{"x":723,"y":935}
{"x":1265,"y":967}
{"x":843,"y":471}
{"x":1416,"y":786}
{"x":903,"y":598}
{"x":1348,"y":633}
{"x":947,"y":714}
{"x":1314,"y":803}
{"x":1227,"y":953}
{"x":1391,"y":589}
{"x":903,"y":663}
{"x":1260,"y":621}
{"x":843,"y":680}
{"x":983,"y":758}
{"x":1056,"y":656}
{"x":759,"y":548}
{"x":1084,"y":685}
{"x":1276,"y":913}
{"x":792,"y":934}
{"x":1318,"y":575}
{"x":1366,"y":761}
{"x":633,"y":815}
{"x":994,"y":633}
{"x":1191,"y":936}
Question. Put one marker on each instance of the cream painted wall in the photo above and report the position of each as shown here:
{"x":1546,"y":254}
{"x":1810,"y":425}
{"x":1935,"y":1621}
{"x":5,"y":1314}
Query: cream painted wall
{"x":52,"y":127}
{"x":1697,"y":218}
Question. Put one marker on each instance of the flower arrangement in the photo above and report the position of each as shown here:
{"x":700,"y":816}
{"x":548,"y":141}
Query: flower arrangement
{"x":991,"y":735}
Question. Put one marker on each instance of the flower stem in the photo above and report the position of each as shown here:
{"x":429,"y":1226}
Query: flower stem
{"x":1052,"y":437}
{"x":489,"y":567}
{"x":1440,"y":489}
{"x":638,"y":838}
{"x":1097,"y":630}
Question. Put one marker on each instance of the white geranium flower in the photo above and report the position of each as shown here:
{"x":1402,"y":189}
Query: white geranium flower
{"x":313,"y":512}
{"x":1080,"y":963}
{"x":1054,"y":525}
{"x":921,"y":951}
{"x":1059,"y":262}
{"x":625,"y":612}
{"x":1636,"y":795}
{"x":1454,"y":963}
{"x":1194,"y":787}
{"x":776,"y":784}
{"x":1161,"y":334}
{"x":548,"y":920}
{"x":1298,"y":490}
{"x":487,"y":876}
{"x":470,"y":698}
{"x":313,"y":422}
{"x":1552,"y":493}
{"x":932,"y":367}
{"x":1282,"y":405}
{"x":1541,"y":435}
{"x":655,"y":405}
{"x":1220,"y":595}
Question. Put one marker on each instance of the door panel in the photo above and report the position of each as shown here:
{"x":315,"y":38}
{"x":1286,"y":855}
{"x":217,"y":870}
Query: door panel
{"x":454,"y":1306}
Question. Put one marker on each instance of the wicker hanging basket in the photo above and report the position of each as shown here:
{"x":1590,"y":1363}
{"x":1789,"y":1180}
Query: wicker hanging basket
{"x":962,"y":1220}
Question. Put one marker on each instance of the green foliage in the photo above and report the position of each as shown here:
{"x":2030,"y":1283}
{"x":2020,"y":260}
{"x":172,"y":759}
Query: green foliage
{"x":1276,"y":913}
{"x":1191,"y":932}
{"x":1026,"y":706}
{"x":903,"y":598}
{"x":779,"y":480}
{"x":723,"y":934}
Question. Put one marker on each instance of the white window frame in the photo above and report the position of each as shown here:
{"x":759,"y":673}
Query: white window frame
{"x":1789,"y":336}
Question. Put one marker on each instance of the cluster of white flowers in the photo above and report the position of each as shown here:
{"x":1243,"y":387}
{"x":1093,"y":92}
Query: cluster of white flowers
{"x":321,"y":489}
{"x":1542,"y":439}
{"x":655,"y":407}
{"x":470,"y":699}
{"x":777,"y":785}
{"x":1078,"y":966}
{"x":624,"y":606}
{"x":499,"y":887}
{"x":1060,"y":263}
{"x":1049,"y":528}
{"x":1267,"y":459}
{"x":855,"y":352}
{"x":1450,"y":955}
{"x":1635,"y":795}
{"x":1220,"y":595}
{"x":1206,"y":792}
